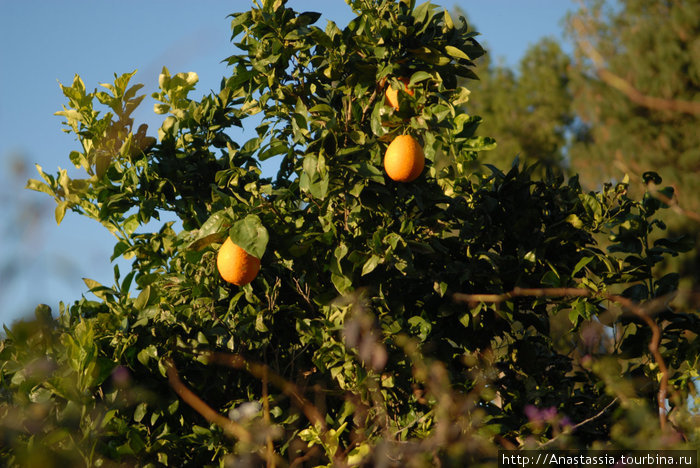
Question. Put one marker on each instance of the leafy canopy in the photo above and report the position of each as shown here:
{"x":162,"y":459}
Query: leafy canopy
{"x":355,"y":344}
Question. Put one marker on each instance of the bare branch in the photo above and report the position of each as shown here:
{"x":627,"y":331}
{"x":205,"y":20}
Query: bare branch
{"x":636,"y":309}
{"x":370,"y":102}
{"x":230,"y":427}
{"x":261,"y":371}
{"x":672,"y":202}
{"x":304,"y":293}
{"x":266,"y":418}
{"x":585,"y":421}
{"x":314,"y":450}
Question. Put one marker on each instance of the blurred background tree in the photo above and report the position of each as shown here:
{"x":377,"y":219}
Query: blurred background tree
{"x":635,"y":80}
{"x":527,"y":110}
{"x":625,"y":101}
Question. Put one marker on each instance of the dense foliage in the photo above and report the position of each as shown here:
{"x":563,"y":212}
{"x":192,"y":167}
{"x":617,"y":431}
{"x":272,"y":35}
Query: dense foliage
{"x":391,"y":324}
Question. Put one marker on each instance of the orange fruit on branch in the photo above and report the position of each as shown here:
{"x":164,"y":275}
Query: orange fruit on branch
{"x":235,"y":265}
{"x":392,"y":95}
{"x":404,"y":159}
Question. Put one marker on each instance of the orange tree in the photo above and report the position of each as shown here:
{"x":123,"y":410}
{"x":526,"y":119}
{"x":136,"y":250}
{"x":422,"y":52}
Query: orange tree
{"x":421,"y":322}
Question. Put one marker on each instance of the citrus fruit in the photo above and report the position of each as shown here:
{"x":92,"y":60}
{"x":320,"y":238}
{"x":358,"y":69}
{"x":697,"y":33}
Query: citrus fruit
{"x":392,"y":95}
{"x":404,"y":159}
{"x":235,"y":264}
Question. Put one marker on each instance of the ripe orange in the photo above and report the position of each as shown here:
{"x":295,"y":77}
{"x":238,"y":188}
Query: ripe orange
{"x":236,"y":265}
{"x":404,"y":159}
{"x":392,"y":95}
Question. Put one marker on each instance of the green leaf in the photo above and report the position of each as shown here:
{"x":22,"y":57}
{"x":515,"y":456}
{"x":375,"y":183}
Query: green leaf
{"x":449,"y":23}
{"x":97,"y":289}
{"x":210,"y":232}
{"x":421,"y":12}
{"x":260,"y":323}
{"x":60,"y":211}
{"x":455,"y":52}
{"x":213,"y":224}
{"x":341,"y":282}
{"x":319,"y":189}
{"x":250,"y":235}
{"x":33,"y":184}
{"x":440,"y":288}
{"x":419,"y":76}
{"x":574,"y":315}
{"x":420,"y":327}
{"x":205,"y":241}
{"x":376,"y":119}
{"x":140,"y":412}
{"x":131,"y":224}
{"x":142,"y":299}
{"x":371,"y":264}
{"x":651,"y":177}
{"x":278,"y":147}
{"x":109,"y":415}
{"x":358,"y":454}
{"x":581,"y":263}
{"x":146,"y":354}
{"x":575,"y":221}
{"x":551,"y":278}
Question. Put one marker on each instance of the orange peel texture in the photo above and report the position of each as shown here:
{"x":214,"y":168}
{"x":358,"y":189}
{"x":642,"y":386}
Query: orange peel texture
{"x":235,"y":265}
{"x":404,"y":159}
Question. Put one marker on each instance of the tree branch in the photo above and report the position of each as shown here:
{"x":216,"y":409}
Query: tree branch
{"x":230,"y":427}
{"x":585,"y":421}
{"x":266,"y":419}
{"x":627,"y":303}
{"x":262,"y":372}
{"x":672,"y":202}
{"x":369,"y":103}
{"x":624,"y":86}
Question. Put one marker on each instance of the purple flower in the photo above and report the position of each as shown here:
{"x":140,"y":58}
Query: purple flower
{"x":540,"y":415}
{"x":532,"y":413}
{"x":121,"y":377}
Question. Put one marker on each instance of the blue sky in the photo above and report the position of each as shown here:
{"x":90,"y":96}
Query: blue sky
{"x":48,"y":41}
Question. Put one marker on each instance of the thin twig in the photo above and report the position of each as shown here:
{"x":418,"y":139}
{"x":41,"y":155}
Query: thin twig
{"x":369,"y":103}
{"x":520,"y":292}
{"x":230,"y":427}
{"x":625,"y":302}
{"x":300,"y":460}
{"x":189,"y":397}
{"x":672,"y":202}
{"x":413,"y":423}
{"x":304,"y":293}
{"x":266,"y":419}
{"x":261,"y":370}
{"x":585,"y":421}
